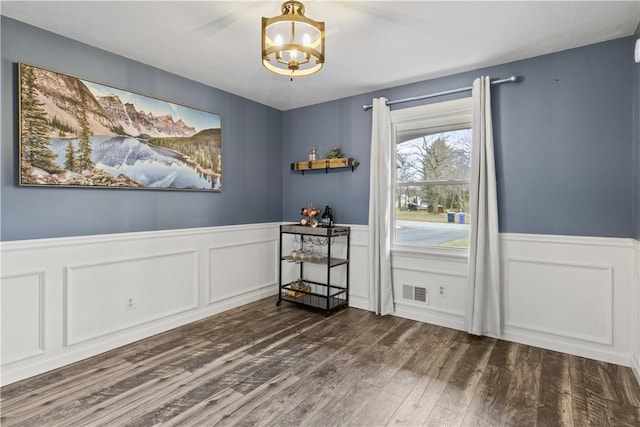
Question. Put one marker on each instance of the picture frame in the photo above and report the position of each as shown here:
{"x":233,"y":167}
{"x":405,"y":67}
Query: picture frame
{"x":77,"y":133}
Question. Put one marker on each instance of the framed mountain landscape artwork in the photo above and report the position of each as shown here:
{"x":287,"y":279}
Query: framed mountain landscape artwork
{"x":76,"y":133}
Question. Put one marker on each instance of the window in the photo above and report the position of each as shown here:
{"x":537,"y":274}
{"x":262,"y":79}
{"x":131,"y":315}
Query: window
{"x":432,"y":175}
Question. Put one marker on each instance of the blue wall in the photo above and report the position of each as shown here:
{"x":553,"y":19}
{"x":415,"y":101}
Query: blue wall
{"x":563,"y":136}
{"x":567,"y":147}
{"x":251,"y":151}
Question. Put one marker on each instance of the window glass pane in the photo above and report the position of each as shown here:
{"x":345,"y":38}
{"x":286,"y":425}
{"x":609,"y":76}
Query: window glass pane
{"x":428,"y":210}
{"x":423,"y":223}
{"x":438,"y":156}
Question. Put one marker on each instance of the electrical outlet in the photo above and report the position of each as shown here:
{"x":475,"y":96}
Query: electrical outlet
{"x":129,"y":303}
{"x":442,"y":291}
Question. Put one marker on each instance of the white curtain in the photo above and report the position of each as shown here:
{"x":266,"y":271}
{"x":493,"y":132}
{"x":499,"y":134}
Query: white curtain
{"x":483,"y":305}
{"x":380,"y":286}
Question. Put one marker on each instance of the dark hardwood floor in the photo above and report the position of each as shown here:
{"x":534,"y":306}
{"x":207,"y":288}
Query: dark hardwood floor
{"x":260,"y":365}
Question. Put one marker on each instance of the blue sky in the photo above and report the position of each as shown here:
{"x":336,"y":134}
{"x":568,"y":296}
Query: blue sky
{"x":191,"y":117}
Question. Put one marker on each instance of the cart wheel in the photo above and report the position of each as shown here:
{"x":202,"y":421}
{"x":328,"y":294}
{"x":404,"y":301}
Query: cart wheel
{"x":278,"y":303}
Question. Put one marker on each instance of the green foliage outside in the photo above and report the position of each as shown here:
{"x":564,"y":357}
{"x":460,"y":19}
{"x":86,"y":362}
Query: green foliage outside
{"x":202,"y":148}
{"x":460,"y":243}
{"x":423,"y":216}
{"x":432,"y":158}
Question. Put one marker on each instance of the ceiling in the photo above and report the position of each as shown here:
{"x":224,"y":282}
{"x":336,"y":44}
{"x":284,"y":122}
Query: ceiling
{"x":370,"y":45}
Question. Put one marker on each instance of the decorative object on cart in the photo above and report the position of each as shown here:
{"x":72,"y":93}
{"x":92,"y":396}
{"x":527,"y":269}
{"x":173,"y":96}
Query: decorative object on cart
{"x":292,"y":44}
{"x":77,"y":133}
{"x":297,"y":286}
{"x":334,"y":153}
{"x":310,"y":216}
{"x":326,"y":164}
{"x":327,"y":217}
{"x":325,"y":295}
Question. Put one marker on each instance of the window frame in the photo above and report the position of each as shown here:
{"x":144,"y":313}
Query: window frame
{"x":410,"y":123}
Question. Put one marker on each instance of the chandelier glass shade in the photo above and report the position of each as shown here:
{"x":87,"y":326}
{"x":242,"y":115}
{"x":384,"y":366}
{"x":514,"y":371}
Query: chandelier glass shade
{"x":292,"y":44}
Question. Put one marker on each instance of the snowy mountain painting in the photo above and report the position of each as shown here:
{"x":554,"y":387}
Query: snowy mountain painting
{"x":78,"y":133}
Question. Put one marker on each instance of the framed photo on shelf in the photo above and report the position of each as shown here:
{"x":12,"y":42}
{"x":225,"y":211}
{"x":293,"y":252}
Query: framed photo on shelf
{"x":77,"y":133}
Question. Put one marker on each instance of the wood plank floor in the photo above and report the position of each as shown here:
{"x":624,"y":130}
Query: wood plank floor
{"x":262,"y":365}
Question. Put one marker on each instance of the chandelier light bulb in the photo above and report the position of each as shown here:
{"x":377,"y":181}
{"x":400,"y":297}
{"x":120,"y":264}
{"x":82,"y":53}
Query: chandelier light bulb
{"x":278,"y":40}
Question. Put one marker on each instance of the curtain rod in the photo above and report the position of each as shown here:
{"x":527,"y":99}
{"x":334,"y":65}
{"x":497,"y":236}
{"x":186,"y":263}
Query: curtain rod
{"x":512,"y":79}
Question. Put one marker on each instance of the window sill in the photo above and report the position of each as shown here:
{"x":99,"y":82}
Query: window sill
{"x":450,"y":254}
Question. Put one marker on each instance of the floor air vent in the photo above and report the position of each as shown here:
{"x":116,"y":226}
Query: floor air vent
{"x":414,"y":293}
{"x":420,"y":294}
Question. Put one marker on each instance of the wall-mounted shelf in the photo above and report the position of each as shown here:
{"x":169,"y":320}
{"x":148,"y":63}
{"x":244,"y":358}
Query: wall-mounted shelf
{"x":326,"y":164}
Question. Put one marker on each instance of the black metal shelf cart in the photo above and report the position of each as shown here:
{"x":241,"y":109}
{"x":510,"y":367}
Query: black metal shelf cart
{"x":322,"y":295}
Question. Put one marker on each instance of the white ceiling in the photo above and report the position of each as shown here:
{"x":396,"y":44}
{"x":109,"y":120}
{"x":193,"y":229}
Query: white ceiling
{"x":370,"y":45}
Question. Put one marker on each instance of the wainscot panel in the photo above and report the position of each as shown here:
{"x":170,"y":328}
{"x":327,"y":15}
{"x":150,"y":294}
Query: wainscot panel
{"x":359,"y":269}
{"x":227,"y":281}
{"x":577,"y":298}
{"x":106,"y":297}
{"x":430,"y":287}
{"x":570,"y":294}
{"x":102,"y":292}
{"x":22,"y":316}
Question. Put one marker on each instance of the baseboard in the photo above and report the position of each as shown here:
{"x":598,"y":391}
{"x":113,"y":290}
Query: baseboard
{"x":422,"y":314}
{"x":360,"y":302}
{"x":635,"y":367}
{"x":560,"y":345}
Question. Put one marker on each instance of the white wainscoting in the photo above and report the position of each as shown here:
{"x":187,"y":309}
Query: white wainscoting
{"x":431,"y":271}
{"x":359,"y":267}
{"x":65,"y":299}
{"x":97,"y":295}
{"x":22,"y":316}
{"x":577,"y":295}
{"x":570,"y":294}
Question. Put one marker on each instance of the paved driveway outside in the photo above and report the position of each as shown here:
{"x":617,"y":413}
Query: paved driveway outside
{"x":429,"y":233}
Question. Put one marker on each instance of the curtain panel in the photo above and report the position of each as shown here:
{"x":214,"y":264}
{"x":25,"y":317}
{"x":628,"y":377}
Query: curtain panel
{"x":483,"y":309}
{"x":380,"y":205}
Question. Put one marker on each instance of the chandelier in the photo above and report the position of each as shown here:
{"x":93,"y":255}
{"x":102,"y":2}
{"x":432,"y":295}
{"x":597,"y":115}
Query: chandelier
{"x":292,"y":44}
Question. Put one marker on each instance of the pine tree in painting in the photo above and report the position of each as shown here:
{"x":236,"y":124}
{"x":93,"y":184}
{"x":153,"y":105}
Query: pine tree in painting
{"x":35,"y":129}
{"x":70,"y":158}
{"x":83,"y":160}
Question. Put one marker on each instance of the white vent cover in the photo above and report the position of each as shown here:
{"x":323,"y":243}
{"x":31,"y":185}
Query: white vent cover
{"x":407,"y":292}
{"x":414,"y":293}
